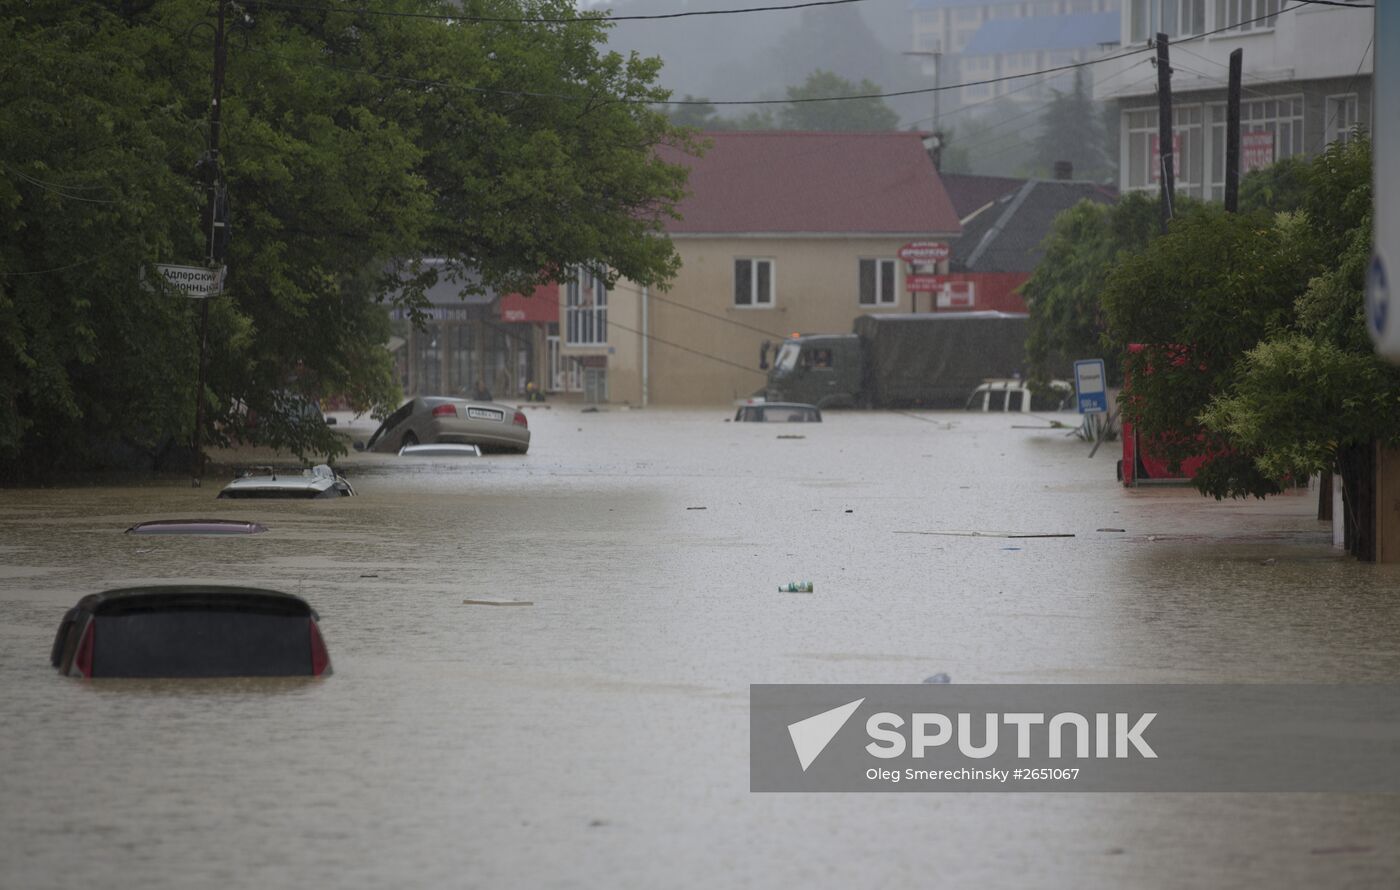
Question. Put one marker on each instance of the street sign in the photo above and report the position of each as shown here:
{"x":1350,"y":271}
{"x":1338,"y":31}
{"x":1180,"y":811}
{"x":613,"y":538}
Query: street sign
{"x":924,"y":252}
{"x":1090,"y":383}
{"x":922,"y":283}
{"x":193,"y":281}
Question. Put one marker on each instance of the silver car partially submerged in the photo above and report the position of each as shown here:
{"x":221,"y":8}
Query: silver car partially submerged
{"x":268,"y":482}
{"x":425,"y":420}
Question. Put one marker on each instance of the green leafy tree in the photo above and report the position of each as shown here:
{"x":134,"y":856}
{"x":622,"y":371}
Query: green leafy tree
{"x":852,"y":114}
{"x":352,"y":143}
{"x":955,"y":157}
{"x":1071,"y":129}
{"x":1312,"y":397}
{"x":702,"y":115}
{"x":1063,"y":294}
{"x":1279,"y":187}
{"x":1196,"y":300}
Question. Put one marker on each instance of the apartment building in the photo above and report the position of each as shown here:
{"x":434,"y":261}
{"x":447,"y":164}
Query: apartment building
{"x":1307,"y":77}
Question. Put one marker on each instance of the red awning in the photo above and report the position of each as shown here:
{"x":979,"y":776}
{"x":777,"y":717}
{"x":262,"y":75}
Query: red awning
{"x":539,"y":307}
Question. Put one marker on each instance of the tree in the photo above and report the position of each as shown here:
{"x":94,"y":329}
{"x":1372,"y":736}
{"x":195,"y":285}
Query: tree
{"x":353,"y":143}
{"x":1196,"y":300}
{"x":836,"y":37}
{"x":700,"y":115}
{"x":1312,"y":397}
{"x":850,"y":114}
{"x":1063,"y":294}
{"x":1071,"y":129}
{"x":1279,"y":187}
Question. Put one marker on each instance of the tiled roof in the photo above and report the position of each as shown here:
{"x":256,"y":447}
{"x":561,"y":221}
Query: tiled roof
{"x":1007,"y":237}
{"x":1047,"y":32}
{"x":820,"y":183}
{"x":971,"y":193}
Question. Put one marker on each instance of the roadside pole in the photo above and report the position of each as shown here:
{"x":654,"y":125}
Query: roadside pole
{"x":646,"y":347}
{"x":1232,"y":133}
{"x":213,"y":245}
{"x":1166,"y":157}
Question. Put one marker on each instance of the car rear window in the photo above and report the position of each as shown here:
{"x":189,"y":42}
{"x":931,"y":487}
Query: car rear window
{"x":201,"y":642}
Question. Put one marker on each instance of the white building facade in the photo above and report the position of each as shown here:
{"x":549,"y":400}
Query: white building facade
{"x":1307,"y":77}
{"x":978,"y":41}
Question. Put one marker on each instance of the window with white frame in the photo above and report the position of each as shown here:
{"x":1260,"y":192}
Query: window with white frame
{"x":1175,"y":18}
{"x":1270,"y":129}
{"x":586,"y":309}
{"x":1144,"y":156}
{"x":1342,"y":117}
{"x":753,"y":282}
{"x":1246,"y":15}
{"x":877,"y":282}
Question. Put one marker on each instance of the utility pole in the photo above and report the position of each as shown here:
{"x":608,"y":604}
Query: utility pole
{"x":1166,"y":158}
{"x":1232,"y":143}
{"x":646,"y":347}
{"x":936,"y":150}
{"x":214,"y":245}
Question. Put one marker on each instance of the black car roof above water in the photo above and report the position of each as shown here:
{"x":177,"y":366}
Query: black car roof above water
{"x":132,"y":600}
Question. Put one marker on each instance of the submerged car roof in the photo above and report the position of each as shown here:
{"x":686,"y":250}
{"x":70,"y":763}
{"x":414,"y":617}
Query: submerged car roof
{"x":197,"y":527}
{"x":155,"y":598}
{"x":440,"y":449}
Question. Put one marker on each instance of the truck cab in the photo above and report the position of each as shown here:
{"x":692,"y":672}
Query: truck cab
{"x":818,"y":369}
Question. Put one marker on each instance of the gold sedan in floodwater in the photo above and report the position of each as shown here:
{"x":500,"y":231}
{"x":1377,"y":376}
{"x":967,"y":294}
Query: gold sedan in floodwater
{"x":441,"y":420}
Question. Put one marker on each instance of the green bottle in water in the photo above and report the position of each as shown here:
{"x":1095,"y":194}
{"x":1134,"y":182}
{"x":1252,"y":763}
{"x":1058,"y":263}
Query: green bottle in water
{"x":796,"y":587}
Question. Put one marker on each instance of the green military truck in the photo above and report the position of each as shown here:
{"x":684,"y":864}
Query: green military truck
{"x":925,"y":360}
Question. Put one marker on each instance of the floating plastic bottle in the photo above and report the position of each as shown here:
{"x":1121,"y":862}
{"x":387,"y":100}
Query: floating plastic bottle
{"x":796,"y":587}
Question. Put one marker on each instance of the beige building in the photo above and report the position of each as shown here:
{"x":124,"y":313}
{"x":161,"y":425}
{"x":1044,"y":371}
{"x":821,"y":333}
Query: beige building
{"x":783,"y":232}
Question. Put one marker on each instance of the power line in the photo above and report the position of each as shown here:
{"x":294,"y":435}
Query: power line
{"x":1036,"y":109}
{"x":680,"y":305}
{"x":1000,"y":136}
{"x":887,"y":95}
{"x":713,"y":358}
{"x":585,"y":17}
{"x":59,"y":190}
{"x":1220,"y":83}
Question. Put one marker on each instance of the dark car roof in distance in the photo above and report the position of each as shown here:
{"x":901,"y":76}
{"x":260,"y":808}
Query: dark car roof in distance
{"x":197,"y":527}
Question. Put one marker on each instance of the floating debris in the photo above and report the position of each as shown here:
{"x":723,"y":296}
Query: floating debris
{"x":796,"y":587}
{"x":494,"y":602}
{"x":952,"y":534}
{"x":939,"y":677}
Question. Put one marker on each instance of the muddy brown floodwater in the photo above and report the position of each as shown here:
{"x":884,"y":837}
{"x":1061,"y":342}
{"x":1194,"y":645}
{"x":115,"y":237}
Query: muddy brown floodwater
{"x":600,"y":736}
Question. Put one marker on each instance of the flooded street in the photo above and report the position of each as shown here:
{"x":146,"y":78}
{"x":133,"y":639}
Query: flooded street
{"x":600,"y":736}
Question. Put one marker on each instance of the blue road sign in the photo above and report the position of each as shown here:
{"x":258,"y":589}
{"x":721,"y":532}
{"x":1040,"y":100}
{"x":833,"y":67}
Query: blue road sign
{"x":1090,"y":383}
